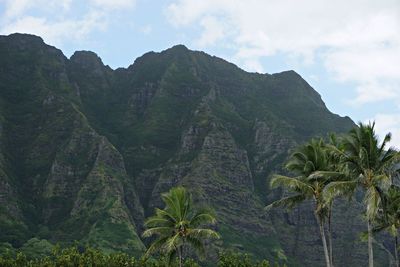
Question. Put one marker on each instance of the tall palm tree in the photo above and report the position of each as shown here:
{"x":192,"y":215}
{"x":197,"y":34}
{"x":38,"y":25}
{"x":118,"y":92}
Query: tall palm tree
{"x":305,"y":162}
{"x":335,"y":173}
{"x":368,"y":165}
{"x":178,"y":225}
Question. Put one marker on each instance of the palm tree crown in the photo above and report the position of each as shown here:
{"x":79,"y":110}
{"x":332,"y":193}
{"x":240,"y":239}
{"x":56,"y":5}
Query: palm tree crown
{"x":307,"y":162}
{"x":178,"y":224}
{"x":369,"y":165}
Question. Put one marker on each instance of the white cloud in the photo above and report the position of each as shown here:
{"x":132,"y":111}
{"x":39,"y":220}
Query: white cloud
{"x":114,"y":4}
{"x":56,"y":22}
{"x":369,"y":92}
{"x":213,"y":31}
{"x":358,"y":41}
{"x":56,"y":32}
{"x":16,"y":8}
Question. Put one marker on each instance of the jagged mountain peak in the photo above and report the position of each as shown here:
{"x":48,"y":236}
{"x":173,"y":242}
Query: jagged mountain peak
{"x":23,"y":38}
{"x":85,"y":56}
{"x":178,"y":48}
{"x":28,"y":42}
{"x":87,"y":60}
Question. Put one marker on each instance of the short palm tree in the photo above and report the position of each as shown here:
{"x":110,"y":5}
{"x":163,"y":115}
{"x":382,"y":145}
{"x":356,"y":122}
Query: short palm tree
{"x":305,"y":162}
{"x":368,"y":165}
{"x":178,"y":225}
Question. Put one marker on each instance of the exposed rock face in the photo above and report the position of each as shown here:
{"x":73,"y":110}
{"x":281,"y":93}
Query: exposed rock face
{"x":65,"y":176}
{"x":86,"y":151}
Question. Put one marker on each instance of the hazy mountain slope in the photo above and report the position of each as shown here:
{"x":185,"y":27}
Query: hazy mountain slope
{"x":87,"y":150}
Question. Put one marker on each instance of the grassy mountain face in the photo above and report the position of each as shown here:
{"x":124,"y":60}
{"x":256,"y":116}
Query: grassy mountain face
{"x":86,"y":151}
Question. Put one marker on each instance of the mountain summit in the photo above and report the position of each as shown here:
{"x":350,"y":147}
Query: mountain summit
{"x":86,"y":151}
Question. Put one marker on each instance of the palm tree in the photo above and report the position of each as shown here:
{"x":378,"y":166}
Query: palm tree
{"x":334,"y":173}
{"x":368,"y":165}
{"x":178,"y":225}
{"x":305,"y":162}
{"x":389,"y":217}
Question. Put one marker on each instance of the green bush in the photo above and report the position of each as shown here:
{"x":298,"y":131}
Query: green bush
{"x":230,"y":259}
{"x":90,"y":257}
{"x":72,"y":257}
{"x":233,"y":259}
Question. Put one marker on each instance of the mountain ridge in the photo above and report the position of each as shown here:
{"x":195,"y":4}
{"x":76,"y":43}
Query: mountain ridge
{"x":86,"y":150}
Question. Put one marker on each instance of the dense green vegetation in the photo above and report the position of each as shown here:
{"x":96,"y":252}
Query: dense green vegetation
{"x":85,"y":256}
{"x":75,"y":257}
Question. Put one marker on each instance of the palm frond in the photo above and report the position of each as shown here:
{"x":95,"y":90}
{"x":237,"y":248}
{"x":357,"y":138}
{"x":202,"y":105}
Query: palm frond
{"x":325,"y":175}
{"x":287,"y":202}
{"x":385,"y":140}
{"x":156,"y":245}
{"x":372,"y":200}
{"x":172,"y":204}
{"x":340,"y":188}
{"x":172,"y":242}
{"x":166,"y":214}
{"x":203,"y":217}
{"x":294,"y":184}
{"x":159,"y":221}
{"x":157,"y":230}
{"x":203,"y":233}
{"x":382,"y":181}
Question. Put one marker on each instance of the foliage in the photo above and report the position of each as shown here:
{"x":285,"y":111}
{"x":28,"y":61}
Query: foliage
{"x":315,"y":168}
{"x":35,"y":247}
{"x":310,"y":162}
{"x":75,"y":257}
{"x":179,"y":224}
{"x":388,"y":218}
{"x":231,"y":259}
{"x":368,"y":164}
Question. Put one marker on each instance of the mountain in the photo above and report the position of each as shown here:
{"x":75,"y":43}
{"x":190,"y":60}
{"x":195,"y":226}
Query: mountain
{"x":86,"y":151}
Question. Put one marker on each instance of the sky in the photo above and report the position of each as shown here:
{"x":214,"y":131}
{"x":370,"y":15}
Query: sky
{"x":347,"y":50}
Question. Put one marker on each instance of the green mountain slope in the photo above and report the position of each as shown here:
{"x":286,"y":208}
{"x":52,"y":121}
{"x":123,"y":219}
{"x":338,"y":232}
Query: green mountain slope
{"x":85,"y":151}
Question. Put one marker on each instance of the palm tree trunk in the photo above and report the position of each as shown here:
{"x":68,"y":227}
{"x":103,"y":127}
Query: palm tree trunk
{"x":322,"y":233}
{"x":180,"y":256}
{"x":183,"y":252}
{"x":330,"y":236}
{"x":370,"y":248}
{"x":396,"y":251}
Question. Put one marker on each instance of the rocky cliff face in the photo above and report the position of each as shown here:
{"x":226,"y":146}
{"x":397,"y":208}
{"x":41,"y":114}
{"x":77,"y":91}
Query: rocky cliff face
{"x":85,"y":151}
